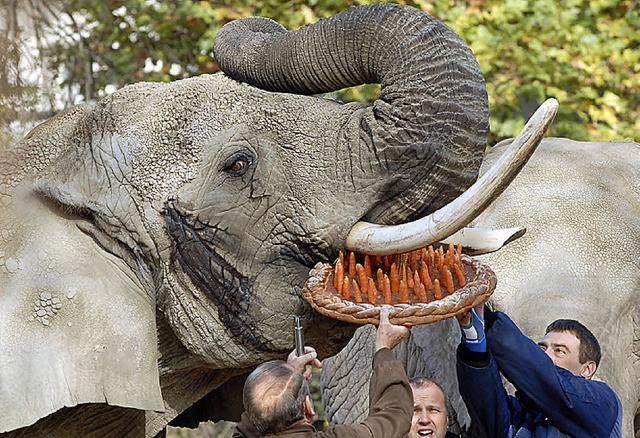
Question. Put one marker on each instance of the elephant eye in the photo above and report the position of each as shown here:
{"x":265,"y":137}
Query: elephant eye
{"x":238,"y":163}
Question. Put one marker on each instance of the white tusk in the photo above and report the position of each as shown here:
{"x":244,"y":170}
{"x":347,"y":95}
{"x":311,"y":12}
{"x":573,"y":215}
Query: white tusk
{"x":368,"y":238}
{"x":476,"y":241}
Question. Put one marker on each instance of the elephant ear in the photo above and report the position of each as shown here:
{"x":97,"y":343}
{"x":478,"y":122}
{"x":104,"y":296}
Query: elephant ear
{"x":76,"y":325}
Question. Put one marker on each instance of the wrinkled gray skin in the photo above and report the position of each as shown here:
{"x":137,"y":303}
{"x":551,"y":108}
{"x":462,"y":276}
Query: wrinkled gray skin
{"x":579,"y":259}
{"x":154,"y":246}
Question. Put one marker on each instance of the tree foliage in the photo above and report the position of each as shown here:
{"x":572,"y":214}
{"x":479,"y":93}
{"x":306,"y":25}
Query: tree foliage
{"x":585,"y":53}
{"x":21,"y":99}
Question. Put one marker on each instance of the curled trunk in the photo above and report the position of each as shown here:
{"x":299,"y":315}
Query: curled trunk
{"x":432,"y":111}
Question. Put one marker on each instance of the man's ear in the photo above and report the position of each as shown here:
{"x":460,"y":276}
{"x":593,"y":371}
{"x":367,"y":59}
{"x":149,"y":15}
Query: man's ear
{"x":309,"y":413}
{"x":588,"y":369}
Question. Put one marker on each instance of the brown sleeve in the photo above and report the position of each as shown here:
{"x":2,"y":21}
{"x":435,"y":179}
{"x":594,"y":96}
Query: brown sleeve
{"x":390,"y":403}
{"x":390,"y":397}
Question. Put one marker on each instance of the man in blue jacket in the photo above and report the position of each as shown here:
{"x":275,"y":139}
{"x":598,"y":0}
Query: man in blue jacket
{"x":555,"y":396}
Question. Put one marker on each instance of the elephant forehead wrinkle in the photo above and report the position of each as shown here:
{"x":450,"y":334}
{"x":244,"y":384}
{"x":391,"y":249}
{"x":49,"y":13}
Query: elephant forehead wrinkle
{"x":115,"y":152}
{"x":163,"y":140}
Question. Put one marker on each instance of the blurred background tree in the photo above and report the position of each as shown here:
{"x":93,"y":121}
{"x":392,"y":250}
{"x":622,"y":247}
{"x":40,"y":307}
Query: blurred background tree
{"x":585,"y":53}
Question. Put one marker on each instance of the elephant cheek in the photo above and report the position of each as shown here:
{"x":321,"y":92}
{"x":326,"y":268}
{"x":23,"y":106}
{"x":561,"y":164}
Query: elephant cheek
{"x":248,"y":317}
{"x":202,"y":271}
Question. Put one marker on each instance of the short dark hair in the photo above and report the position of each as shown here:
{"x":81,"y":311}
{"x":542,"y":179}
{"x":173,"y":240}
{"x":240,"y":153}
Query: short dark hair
{"x":589,"y":346}
{"x":274,"y":395}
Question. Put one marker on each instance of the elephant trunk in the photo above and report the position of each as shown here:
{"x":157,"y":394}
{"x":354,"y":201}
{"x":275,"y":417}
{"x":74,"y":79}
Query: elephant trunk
{"x":432,"y":110}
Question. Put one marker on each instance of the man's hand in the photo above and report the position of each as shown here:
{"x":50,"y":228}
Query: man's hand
{"x":304,"y":364}
{"x":388,"y":335}
{"x":465,"y":318}
{"x":472,"y":328}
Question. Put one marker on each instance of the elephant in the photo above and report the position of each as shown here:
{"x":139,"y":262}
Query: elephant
{"x":579,"y":258}
{"x":154,"y":245}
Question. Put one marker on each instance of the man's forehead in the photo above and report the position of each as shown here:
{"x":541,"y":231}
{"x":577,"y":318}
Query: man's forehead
{"x":429,"y":395}
{"x":565,"y":338}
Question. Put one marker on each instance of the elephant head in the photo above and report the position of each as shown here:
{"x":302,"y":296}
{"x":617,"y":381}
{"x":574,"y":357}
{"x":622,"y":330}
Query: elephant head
{"x":427,"y":131}
{"x":155,"y":245}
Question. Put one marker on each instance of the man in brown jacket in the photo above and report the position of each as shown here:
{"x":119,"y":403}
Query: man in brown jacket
{"x":277,"y":399}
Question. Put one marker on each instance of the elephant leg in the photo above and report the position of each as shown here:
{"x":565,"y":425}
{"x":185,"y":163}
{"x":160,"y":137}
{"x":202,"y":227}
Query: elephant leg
{"x":345,"y":379}
{"x":223,"y":403}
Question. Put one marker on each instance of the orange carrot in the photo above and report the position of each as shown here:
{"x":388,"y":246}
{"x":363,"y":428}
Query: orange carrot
{"x":421,"y":293}
{"x":441,"y":275}
{"x":395,"y":280}
{"x":367,"y":266}
{"x":437,"y":293}
{"x":386,"y":289}
{"x":428,"y":283}
{"x":404,"y":292}
{"x":450,"y":254}
{"x":372,"y":293}
{"x":338,"y":276}
{"x":352,"y":264}
{"x":423,"y":272}
{"x":416,"y":281}
{"x":459,"y":275}
{"x":448,"y":280}
{"x":409,"y":276}
{"x":362,"y":278}
{"x":379,"y":276}
{"x":357,"y":296}
{"x":436,"y":260}
{"x":346,"y":289}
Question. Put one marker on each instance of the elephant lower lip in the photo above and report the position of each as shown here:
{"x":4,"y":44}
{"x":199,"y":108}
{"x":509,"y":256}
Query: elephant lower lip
{"x":423,"y":286}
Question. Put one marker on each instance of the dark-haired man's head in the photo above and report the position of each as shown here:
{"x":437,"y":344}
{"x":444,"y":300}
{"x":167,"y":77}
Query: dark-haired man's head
{"x":572,"y":346}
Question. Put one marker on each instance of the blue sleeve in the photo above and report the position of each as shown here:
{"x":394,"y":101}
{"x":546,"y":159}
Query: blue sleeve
{"x":481,"y":389}
{"x":576,"y":406}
